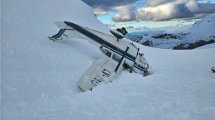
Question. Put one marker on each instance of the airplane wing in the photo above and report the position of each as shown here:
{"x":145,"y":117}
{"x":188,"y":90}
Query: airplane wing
{"x":101,"y":71}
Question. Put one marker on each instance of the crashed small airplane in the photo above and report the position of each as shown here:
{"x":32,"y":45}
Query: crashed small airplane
{"x":118,"y":54}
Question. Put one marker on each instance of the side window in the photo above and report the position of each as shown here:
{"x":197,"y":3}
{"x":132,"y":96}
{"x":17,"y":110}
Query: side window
{"x":116,"y":57}
{"x":107,"y":52}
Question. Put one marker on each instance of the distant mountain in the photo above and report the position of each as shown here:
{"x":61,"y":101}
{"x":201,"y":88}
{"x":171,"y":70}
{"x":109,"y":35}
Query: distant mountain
{"x":134,"y":36}
{"x":184,"y":37}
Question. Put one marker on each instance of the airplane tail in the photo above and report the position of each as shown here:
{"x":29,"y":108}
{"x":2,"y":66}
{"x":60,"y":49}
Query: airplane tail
{"x":66,"y":32}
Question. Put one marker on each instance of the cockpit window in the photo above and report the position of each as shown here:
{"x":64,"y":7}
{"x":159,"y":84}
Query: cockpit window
{"x":116,"y":57}
{"x":107,"y":52}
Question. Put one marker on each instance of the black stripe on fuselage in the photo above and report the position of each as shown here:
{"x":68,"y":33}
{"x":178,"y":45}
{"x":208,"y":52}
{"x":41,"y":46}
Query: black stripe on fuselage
{"x":98,"y":39}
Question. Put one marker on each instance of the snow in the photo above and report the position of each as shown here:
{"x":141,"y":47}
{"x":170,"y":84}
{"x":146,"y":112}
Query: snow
{"x":210,"y":46}
{"x":38,"y":76}
{"x":178,"y":29}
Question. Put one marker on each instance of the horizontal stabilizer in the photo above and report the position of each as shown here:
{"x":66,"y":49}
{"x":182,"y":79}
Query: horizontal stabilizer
{"x":62,"y":25}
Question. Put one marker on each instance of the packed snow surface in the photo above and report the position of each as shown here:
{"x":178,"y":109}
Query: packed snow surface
{"x":38,"y":76}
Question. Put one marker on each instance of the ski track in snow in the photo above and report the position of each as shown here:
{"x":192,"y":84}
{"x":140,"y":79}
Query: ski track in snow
{"x":38,"y":76}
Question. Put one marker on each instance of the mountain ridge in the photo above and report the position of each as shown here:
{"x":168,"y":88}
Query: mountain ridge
{"x":183,"y":37}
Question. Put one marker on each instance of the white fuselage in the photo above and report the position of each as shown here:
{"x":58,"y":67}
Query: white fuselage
{"x":118,"y":53}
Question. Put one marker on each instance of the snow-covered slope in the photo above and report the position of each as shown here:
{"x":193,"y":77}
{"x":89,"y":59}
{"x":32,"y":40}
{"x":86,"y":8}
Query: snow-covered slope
{"x":184,"y":37}
{"x":179,"y":29}
{"x":38,"y":76}
{"x":207,"y":46}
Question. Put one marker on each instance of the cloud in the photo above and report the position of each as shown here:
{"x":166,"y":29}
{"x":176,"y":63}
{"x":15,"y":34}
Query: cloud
{"x":189,"y":21}
{"x":128,"y":26}
{"x":142,"y":28}
{"x":180,"y":9}
{"x":154,"y":10}
{"x":131,"y":28}
{"x":108,"y":3}
{"x":101,"y":12}
{"x":153,"y":3}
{"x":163,"y":12}
{"x":120,"y":23}
{"x":124,"y":16}
{"x":110,"y":25}
{"x":102,"y":7}
{"x":192,"y":5}
{"x":125,"y":13}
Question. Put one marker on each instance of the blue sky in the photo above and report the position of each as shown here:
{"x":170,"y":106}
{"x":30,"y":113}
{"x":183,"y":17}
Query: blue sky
{"x":150,"y":15}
